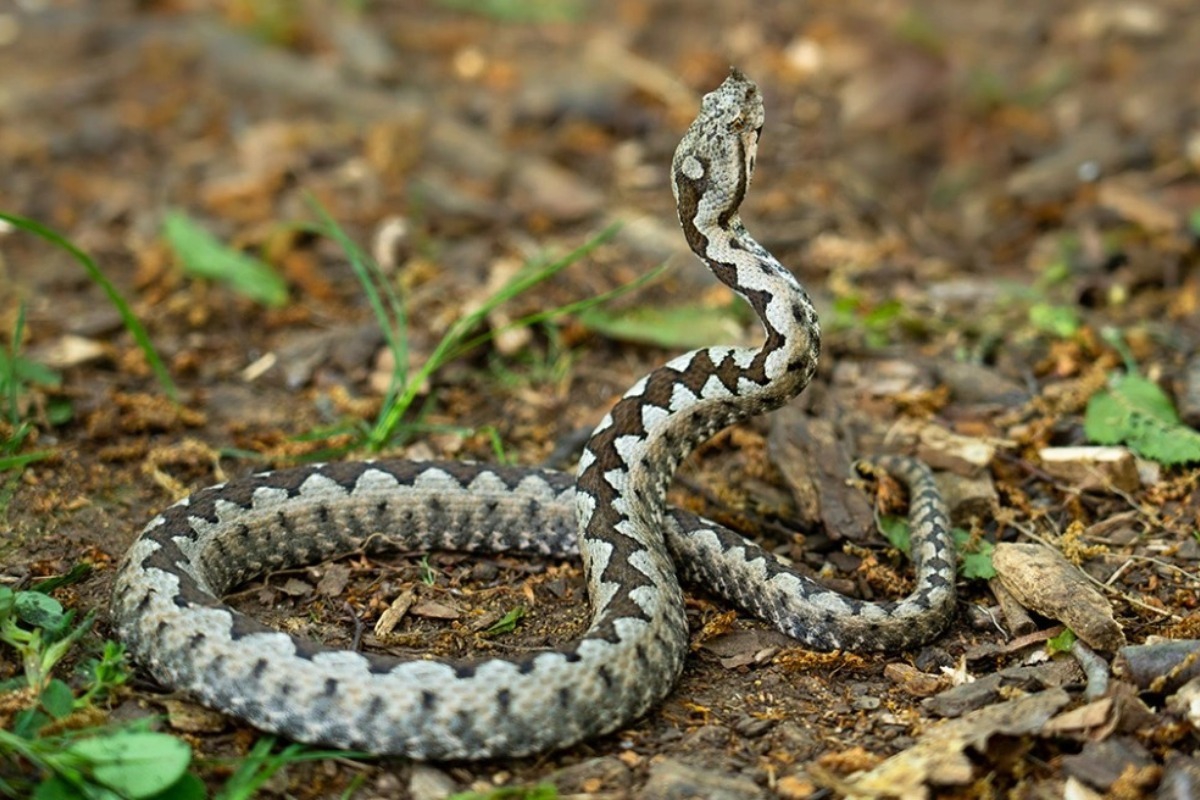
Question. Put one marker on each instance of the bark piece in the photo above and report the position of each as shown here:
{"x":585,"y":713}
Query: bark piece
{"x":672,"y":779}
{"x":962,"y":455}
{"x":1092,"y":468}
{"x":941,"y":757}
{"x":1018,"y":619}
{"x":987,"y":690}
{"x":815,"y":466}
{"x":1101,"y":763}
{"x":968,"y":497}
{"x":1159,"y":667}
{"x":1045,"y":582}
{"x":977,"y":384}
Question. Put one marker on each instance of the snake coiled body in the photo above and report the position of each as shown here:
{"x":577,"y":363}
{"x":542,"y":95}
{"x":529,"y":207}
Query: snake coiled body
{"x":167,"y":605}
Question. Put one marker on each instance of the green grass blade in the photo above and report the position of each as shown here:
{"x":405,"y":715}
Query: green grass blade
{"x":202,"y":254}
{"x":392,"y":318}
{"x":132,"y":323}
{"x":449,"y":347}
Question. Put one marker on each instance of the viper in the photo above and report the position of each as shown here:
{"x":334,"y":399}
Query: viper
{"x":167,"y":604}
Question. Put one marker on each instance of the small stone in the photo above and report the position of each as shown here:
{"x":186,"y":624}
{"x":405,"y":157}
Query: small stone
{"x":192,"y":718}
{"x":753,"y":727}
{"x":913,"y":681}
{"x":866,"y":703}
{"x":594,"y":775}
{"x":673,"y":780}
{"x":428,"y":783}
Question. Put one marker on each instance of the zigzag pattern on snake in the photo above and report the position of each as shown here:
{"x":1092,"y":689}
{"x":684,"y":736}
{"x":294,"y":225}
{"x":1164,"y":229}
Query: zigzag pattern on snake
{"x":167,"y":605}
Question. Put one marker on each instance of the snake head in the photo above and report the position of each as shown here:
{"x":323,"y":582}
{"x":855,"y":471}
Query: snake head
{"x":715,"y":159}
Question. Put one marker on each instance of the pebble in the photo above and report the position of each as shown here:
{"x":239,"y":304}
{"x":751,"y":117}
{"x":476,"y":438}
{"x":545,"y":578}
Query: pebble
{"x":673,"y":780}
{"x":429,"y":783}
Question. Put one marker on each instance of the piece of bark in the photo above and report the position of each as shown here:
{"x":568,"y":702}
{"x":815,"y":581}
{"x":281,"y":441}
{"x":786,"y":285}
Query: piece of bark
{"x":979,"y":385}
{"x":962,"y":455}
{"x":961,"y":699}
{"x":815,"y":466}
{"x":1159,"y":667}
{"x":1092,"y":468}
{"x":1017,"y":619}
{"x":968,"y":497}
{"x":1045,"y":582}
{"x":1186,"y":702}
{"x":1100,"y":764}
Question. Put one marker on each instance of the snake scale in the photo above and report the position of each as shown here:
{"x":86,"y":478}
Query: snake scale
{"x":167,"y":598}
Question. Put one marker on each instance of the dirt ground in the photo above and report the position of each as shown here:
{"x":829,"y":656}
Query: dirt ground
{"x":995,"y":205}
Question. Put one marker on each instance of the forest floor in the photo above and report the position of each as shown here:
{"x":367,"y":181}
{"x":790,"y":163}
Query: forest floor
{"x":996,"y":208}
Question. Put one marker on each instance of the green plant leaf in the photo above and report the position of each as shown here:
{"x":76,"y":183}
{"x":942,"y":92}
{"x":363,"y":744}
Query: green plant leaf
{"x":1135,"y":412}
{"x":189,"y":787}
{"x":203,"y":255}
{"x":136,"y":764}
{"x":39,"y":610}
{"x":896,"y":531}
{"x":74,"y":575}
{"x":29,"y":721}
{"x":1061,"y":643}
{"x":974,"y":564}
{"x":507,"y":623}
{"x":130,"y":320}
{"x":58,"y":699}
{"x":675,"y":328}
{"x":1060,"y":321}
{"x":56,"y":787}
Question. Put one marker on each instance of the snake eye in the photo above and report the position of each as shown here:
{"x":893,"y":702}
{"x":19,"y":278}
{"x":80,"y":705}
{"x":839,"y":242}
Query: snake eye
{"x":737,"y":123}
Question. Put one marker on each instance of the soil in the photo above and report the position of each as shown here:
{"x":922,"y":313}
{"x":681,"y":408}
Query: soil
{"x":977,"y":195}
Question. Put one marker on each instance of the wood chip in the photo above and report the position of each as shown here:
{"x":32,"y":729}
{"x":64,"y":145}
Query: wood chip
{"x":968,"y":497}
{"x":815,"y":466}
{"x":962,"y":455}
{"x":390,"y":618}
{"x":1092,"y":468}
{"x":1045,"y":582}
{"x":435,"y":610}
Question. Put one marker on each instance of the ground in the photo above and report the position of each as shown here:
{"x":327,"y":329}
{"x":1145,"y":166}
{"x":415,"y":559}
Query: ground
{"x":994,"y":205}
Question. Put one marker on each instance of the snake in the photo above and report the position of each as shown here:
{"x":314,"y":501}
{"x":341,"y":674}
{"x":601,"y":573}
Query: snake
{"x":612,"y":514}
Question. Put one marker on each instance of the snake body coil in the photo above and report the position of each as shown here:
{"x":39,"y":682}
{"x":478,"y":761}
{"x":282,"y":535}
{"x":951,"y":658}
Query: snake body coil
{"x":167,"y":605}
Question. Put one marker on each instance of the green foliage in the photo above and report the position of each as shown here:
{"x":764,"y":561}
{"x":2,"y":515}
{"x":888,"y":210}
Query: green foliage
{"x":1061,"y":643}
{"x":878,"y":324}
{"x":974,"y":558}
{"x":428,"y":573}
{"x":974,"y":561}
{"x":543,"y":791}
{"x":1135,"y":412}
{"x":1056,"y":320}
{"x":37,"y":627}
{"x":526,"y":11}
{"x":677,"y":328}
{"x":462,"y":337}
{"x":203,"y":255}
{"x":507,"y":623}
{"x":15,"y":374}
{"x":121,"y":762}
{"x":131,"y":322}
